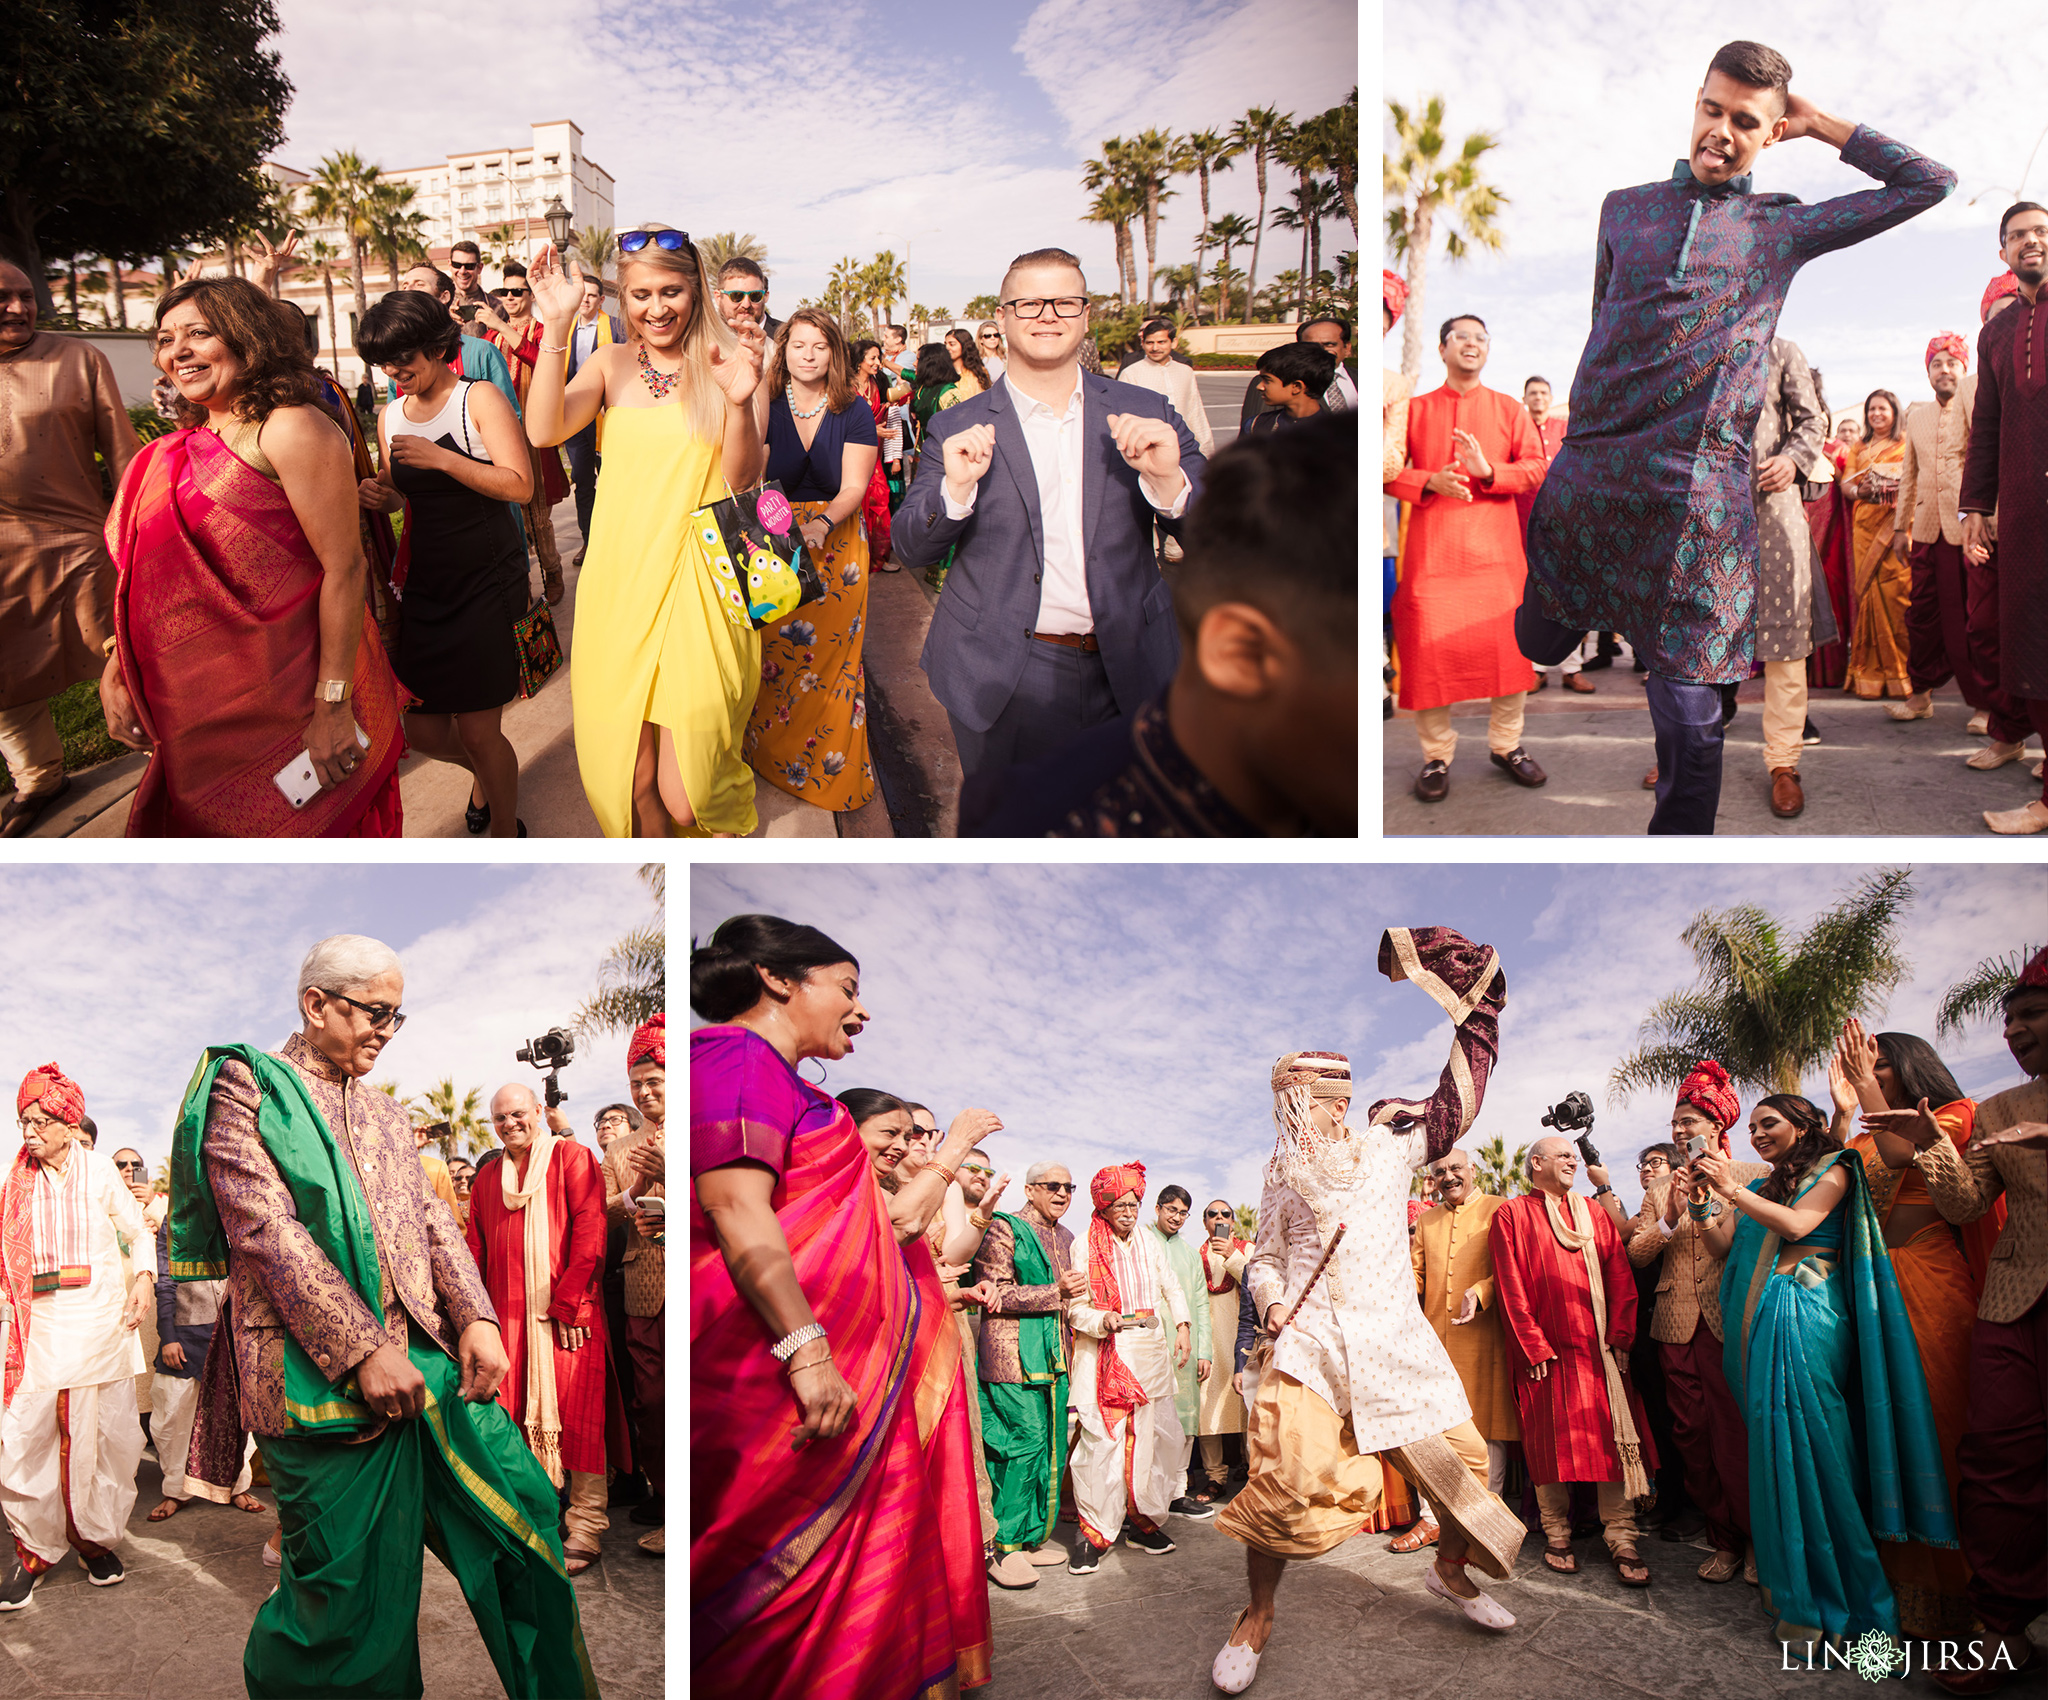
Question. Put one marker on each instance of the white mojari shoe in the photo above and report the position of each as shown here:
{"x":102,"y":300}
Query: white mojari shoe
{"x":1235,"y":1666}
{"x":1483,"y":1610}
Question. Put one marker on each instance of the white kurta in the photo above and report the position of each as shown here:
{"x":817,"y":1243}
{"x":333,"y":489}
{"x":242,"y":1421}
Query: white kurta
{"x":1361,"y":1341}
{"x":1135,"y":1466}
{"x":75,"y":1337}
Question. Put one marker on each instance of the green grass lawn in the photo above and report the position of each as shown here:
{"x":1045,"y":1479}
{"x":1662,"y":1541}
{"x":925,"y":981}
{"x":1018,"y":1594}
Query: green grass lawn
{"x":82,"y":727}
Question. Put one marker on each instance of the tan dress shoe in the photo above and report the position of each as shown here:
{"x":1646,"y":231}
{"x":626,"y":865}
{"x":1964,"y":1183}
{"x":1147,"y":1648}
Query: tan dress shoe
{"x":1722,"y":1567}
{"x":1014,"y":1571}
{"x":1980,"y":723}
{"x":1579,"y":683}
{"x":1919,"y":706}
{"x":1787,"y":800}
{"x":2017,"y":823}
{"x":1994,"y":755}
{"x":1047,"y":1554}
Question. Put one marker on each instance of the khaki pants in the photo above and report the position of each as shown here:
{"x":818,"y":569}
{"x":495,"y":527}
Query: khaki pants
{"x":1784,"y":712}
{"x":1503,"y":729}
{"x":31,"y":748}
{"x":1617,"y":1515}
{"x":1212,"y":1457}
{"x":585,"y":1515}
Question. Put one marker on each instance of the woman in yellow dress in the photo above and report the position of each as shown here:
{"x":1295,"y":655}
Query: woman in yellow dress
{"x":1870,"y":479}
{"x":661,"y":678}
{"x":973,"y":379}
{"x":808,"y":735}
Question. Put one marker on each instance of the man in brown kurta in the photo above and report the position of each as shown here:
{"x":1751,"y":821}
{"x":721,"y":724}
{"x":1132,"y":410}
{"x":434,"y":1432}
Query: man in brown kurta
{"x":1454,"y":1279}
{"x":58,"y":403}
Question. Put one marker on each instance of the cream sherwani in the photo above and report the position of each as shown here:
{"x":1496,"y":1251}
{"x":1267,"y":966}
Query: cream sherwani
{"x":1116,"y":1471}
{"x":77,"y":1392}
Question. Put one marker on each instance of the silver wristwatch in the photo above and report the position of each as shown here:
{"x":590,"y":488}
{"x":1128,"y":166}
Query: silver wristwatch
{"x":786,"y":1348}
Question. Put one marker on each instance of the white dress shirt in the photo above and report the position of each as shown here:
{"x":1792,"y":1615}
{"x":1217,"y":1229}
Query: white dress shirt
{"x":584,"y":340}
{"x":1054,"y":441}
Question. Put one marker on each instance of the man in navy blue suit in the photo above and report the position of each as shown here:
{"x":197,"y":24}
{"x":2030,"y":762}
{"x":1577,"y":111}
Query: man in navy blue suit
{"x":1054,"y":617}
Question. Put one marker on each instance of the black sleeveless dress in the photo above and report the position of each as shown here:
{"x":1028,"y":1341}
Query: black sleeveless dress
{"x":465,"y":589}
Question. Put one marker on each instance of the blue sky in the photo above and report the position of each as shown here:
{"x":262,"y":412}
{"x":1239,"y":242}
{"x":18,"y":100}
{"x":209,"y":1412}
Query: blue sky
{"x":1112,"y":1013}
{"x":1587,"y":96}
{"x":123,"y":974}
{"x":952,"y":134}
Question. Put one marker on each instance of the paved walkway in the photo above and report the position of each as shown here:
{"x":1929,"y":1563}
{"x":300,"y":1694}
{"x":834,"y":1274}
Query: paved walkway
{"x":1870,"y":775}
{"x":1357,"y":1622}
{"x":175,"y":1629}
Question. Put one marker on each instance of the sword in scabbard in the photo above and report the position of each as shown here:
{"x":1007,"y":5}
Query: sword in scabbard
{"x":1314,"y":1275}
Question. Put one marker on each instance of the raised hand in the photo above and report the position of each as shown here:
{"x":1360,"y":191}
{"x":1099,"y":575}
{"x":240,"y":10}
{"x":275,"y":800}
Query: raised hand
{"x":1151,"y":446}
{"x":1840,"y":1088}
{"x":739,"y":374}
{"x":1472,"y":454}
{"x":557,"y":289}
{"x":1859,"y":1055}
{"x":969,"y":454}
{"x":981,"y":1123}
{"x":1917,"y":1124}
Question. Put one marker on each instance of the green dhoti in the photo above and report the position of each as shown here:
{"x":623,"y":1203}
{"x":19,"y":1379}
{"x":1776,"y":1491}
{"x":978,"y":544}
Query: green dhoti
{"x":1024,"y":1434}
{"x":458,"y":1480}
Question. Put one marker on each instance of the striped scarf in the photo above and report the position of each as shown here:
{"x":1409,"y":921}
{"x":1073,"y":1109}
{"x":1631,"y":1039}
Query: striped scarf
{"x":543,"y":1424}
{"x":1117,"y":1391}
{"x":1578,"y":1235}
{"x":61,"y":1255}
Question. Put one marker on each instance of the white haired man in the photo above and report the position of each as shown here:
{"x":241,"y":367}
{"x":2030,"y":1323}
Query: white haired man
{"x":70,"y":1437}
{"x":366,"y":1354}
{"x":1026,"y":1351}
{"x":1355,"y":1371}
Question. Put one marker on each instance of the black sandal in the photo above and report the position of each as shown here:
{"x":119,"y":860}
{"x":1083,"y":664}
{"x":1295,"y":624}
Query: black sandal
{"x":477,"y":817}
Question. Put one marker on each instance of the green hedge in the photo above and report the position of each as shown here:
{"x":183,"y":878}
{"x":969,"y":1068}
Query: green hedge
{"x":1226,"y":362}
{"x":81,"y":726}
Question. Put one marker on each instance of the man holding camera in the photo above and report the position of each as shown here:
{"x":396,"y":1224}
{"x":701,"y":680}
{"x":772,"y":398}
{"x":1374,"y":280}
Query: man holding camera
{"x":1706,"y":1423}
{"x":1569,"y":1301}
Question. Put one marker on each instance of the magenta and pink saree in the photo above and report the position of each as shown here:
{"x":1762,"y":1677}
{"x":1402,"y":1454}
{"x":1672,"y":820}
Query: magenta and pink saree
{"x":217,"y":623}
{"x":850,"y":1570}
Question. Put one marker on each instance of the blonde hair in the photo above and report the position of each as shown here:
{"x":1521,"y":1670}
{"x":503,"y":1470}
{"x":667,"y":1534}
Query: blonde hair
{"x":706,"y":329}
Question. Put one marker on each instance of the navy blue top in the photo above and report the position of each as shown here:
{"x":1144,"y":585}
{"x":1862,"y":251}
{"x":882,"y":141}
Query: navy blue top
{"x":813,"y":475}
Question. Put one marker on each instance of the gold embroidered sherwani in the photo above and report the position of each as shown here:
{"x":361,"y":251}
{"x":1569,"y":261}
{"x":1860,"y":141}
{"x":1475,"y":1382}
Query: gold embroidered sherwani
{"x":1450,"y":1252}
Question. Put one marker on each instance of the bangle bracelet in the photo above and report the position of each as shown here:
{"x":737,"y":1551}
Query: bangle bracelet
{"x":823,"y":1358}
{"x":563,"y":349}
{"x":984,"y":1223}
{"x":938,"y":1168}
{"x":785,"y":1348}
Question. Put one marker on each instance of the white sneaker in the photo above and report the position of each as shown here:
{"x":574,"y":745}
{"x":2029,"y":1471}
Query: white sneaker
{"x":1235,"y":1666}
{"x":1482,"y":1609}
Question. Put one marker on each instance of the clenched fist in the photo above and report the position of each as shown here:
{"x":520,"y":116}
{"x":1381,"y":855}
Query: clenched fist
{"x":968,"y":456}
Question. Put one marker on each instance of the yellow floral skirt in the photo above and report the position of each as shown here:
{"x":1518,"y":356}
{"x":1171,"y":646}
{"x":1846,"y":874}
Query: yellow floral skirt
{"x":808,"y":734}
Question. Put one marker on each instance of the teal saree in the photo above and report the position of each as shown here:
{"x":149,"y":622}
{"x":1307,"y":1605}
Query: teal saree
{"x":1842,"y":1446}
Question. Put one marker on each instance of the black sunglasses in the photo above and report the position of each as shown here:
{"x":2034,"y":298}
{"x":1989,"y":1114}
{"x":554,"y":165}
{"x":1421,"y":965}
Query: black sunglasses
{"x":675,"y":241}
{"x":381,"y":1015}
{"x":138,"y":1165}
{"x":1055,"y":1186}
{"x":514,"y":292}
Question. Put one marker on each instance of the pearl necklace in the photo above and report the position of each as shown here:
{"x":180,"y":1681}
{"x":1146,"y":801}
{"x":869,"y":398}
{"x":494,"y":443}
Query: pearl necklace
{"x":789,"y":395}
{"x":658,"y":383}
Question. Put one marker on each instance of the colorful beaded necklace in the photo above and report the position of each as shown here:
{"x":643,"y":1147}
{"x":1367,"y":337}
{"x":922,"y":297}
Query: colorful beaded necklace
{"x":658,"y":383}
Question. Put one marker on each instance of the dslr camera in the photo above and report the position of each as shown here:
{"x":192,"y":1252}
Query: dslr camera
{"x":1574,"y":1115}
{"x":551,"y":1052}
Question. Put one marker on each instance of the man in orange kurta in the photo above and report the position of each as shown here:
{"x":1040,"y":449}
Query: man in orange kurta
{"x":1471,"y":451}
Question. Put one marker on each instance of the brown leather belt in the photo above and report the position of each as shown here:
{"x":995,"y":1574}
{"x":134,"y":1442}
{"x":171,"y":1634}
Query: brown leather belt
{"x":1086,"y":642}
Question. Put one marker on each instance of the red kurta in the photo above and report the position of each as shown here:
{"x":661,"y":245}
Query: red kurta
{"x":593,"y":1415}
{"x":1462,"y":564}
{"x":1546,"y":1309}
{"x":1550,"y":436}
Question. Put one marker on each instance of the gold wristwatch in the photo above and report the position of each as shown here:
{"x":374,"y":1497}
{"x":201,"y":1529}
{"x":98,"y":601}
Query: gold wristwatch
{"x":331,"y":690}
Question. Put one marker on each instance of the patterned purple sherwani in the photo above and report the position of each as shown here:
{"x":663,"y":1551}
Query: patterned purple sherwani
{"x":1646,"y":523}
{"x":280,"y":1283}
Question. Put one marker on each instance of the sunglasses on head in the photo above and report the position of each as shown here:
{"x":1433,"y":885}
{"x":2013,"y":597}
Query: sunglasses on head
{"x":675,"y":241}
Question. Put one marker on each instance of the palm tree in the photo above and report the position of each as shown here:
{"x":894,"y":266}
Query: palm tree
{"x":397,"y":229}
{"x":1223,"y":281}
{"x":728,"y":245}
{"x":843,"y":291}
{"x":1203,"y":152}
{"x":1118,"y":201}
{"x":1495,"y":1171}
{"x":1980,"y":994}
{"x":323,"y":257}
{"x":1427,"y":186}
{"x":1247,"y":1221}
{"x":1183,"y":284}
{"x":1227,"y":233}
{"x":1260,"y":133}
{"x":891,"y":284}
{"x":1336,"y":140}
{"x":596,"y":245}
{"x":465,"y":1125}
{"x":632,"y":979}
{"x":341,"y":194}
{"x":499,"y":244}
{"x":1768,"y":1007}
{"x":1153,"y":159}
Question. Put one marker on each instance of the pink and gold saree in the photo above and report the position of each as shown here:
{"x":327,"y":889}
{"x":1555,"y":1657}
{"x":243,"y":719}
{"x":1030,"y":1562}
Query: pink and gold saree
{"x":827,"y":1573}
{"x":217,"y":622}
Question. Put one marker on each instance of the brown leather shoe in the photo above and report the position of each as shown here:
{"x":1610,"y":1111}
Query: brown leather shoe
{"x":1787,"y":800}
{"x":1517,"y":765}
{"x":1433,"y":783}
{"x":1580,"y":683}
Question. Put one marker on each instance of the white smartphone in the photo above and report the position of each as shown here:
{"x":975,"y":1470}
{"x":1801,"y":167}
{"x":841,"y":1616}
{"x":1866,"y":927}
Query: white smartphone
{"x":298,"y":780}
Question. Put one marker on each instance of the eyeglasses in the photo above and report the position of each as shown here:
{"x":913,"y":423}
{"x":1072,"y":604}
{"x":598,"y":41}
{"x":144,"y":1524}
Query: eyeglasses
{"x":755,"y":295}
{"x":1063,"y":307}
{"x":33,"y":1124}
{"x":1055,"y":1186}
{"x":1654,"y":1163}
{"x":612,"y":1121}
{"x":382,"y":1016}
{"x":675,"y":241}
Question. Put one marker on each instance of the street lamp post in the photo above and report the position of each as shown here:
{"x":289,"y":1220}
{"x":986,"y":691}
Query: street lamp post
{"x":557,"y":216}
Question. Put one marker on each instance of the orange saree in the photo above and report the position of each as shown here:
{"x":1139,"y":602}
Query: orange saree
{"x":1881,"y":578}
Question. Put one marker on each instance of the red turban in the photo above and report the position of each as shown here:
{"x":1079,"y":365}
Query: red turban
{"x":1415,"y":1209}
{"x":1394,"y":292}
{"x":2032,"y":977}
{"x":2003,"y":284}
{"x":55,"y":1091}
{"x":650,"y":1042}
{"x":1112,"y":1183}
{"x":1707,"y":1089}
{"x":1948,"y":343}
